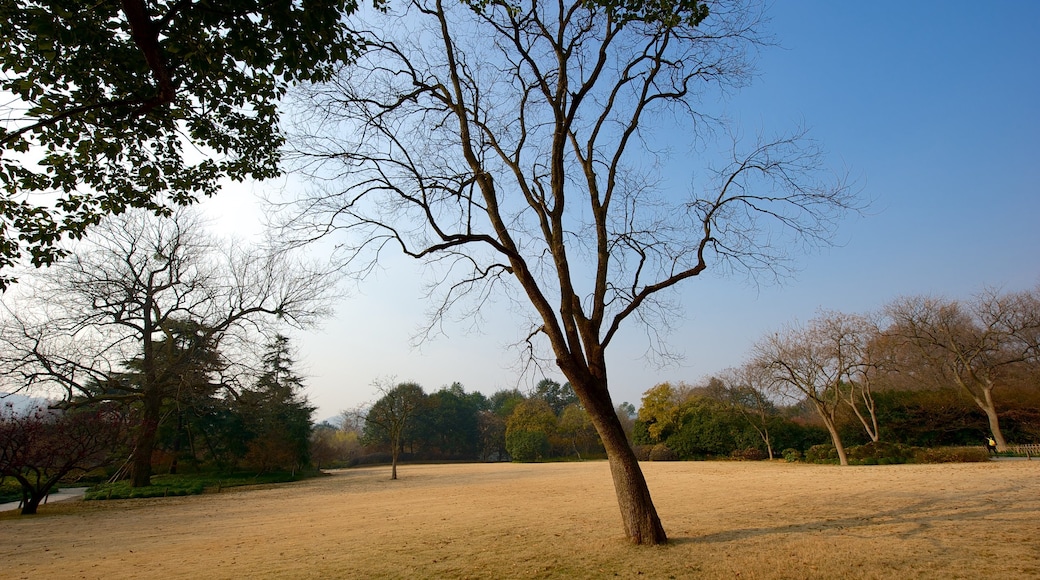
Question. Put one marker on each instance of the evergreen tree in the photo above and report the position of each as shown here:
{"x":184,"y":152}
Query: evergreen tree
{"x":276,"y":415}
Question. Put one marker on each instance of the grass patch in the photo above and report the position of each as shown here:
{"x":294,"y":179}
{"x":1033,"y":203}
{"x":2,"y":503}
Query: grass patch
{"x":190,"y":484}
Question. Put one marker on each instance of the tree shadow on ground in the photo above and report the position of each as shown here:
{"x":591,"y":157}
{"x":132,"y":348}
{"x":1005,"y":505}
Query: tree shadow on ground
{"x":914,"y":520}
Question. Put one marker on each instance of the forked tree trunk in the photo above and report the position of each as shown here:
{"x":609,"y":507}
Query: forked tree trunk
{"x":30,"y":499}
{"x":30,"y":505}
{"x":638,"y":514}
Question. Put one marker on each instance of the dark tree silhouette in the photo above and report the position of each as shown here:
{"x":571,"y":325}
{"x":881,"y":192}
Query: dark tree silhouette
{"x":41,"y":447}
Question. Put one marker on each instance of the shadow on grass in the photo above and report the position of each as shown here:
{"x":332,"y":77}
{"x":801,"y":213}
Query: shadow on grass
{"x":918,"y":517}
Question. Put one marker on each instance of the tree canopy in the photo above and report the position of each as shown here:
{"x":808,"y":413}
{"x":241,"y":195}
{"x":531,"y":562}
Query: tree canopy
{"x":144,"y":103}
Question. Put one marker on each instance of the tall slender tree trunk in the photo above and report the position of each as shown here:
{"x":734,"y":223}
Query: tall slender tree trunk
{"x":990,"y":408}
{"x":141,"y":459}
{"x":843,"y":459}
{"x":638,"y":514}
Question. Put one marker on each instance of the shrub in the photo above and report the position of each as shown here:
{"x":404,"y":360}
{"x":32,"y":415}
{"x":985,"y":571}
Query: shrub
{"x":11,"y":490}
{"x":791,"y":455}
{"x":642,"y":452}
{"x":951,"y":455}
{"x":823,"y":453}
{"x":662,"y":452}
{"x":526,"y":446}
{"x":748,"y":454}
{"x":122,"y":490}
{"x":880,"y":453}
{"x":377,"y":458}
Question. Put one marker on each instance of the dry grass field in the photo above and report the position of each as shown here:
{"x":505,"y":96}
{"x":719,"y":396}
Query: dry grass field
{"x":726,"y":520}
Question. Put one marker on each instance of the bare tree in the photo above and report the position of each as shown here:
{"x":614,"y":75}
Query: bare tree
{"x":870,"y":364}
{"x":747,"y":389}
{"x":132,"y":314}
{"x":512,"y":148}
{"x":976,"y":346}
{"x":814,"y":363}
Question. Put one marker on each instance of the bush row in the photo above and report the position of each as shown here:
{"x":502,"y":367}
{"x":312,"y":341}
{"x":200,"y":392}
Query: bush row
{"x":881,"y":453}
{"x":870,"y":454}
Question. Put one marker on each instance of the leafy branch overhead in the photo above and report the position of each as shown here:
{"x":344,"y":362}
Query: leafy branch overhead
{"x":144,"y":103}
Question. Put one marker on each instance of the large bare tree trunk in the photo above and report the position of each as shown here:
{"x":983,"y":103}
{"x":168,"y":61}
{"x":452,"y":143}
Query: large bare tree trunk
{"x":141,"y":459}
{"x":638,"y":514}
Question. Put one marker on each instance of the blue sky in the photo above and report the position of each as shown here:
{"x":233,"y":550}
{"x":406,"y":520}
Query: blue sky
{"x":934,"y":109}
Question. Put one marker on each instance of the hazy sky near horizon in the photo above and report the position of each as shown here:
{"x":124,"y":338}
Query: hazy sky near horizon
{"x":932,"y":107}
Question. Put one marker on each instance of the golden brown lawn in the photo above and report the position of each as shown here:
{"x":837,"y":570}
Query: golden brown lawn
{"x":725,"y":519}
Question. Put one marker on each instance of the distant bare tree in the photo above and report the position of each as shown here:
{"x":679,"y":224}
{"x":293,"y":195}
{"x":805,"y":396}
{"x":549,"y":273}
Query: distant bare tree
{"x":977,"y":346}
{"x":507,"y":145}
{"x":814,"y":363}
{"x":747,"y":389}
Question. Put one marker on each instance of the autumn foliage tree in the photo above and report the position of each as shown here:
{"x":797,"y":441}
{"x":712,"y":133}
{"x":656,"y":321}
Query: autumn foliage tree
{"x":41,"y":447}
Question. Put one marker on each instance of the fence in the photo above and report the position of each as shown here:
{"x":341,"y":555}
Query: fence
{"x":1032,"y":450}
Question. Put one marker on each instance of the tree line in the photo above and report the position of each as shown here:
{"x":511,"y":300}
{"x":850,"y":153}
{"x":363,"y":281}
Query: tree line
{"x":450,"y":424}
{"x":921,"y":371}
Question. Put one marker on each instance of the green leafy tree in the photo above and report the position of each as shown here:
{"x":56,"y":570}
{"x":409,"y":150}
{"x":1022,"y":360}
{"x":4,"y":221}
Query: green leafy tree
{"x":390,"y":417}
{"x":503,"y":402}
{"x":558,"y":396}
{"x":576,"y":428}
{"x":660,"y":411}
{"x":106,"y":103}
{"x":449,"y":422}
{"x":528,"y":430}
{"x":492,"y":431}
{"x":708,"y":427}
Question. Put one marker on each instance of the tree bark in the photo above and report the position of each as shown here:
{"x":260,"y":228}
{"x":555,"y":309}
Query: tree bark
{"x":141,"y":459}
{"x":638,"y":514}
{"x":30,"y":500}
{"x":990,"y":408}
{"x":843,"y":459}
{"x":30,"y":505}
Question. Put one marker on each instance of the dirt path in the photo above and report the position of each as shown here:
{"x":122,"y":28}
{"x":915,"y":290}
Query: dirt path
{"x":64,"y":494}
{"x":726,"y":519}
